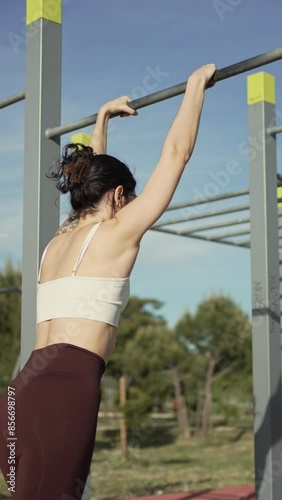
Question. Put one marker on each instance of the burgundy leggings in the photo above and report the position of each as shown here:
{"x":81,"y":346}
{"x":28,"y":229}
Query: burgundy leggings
{"x":56,"y":402}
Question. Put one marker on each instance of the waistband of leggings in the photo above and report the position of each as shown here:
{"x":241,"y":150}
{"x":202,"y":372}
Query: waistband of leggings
{"x":65,"y":345}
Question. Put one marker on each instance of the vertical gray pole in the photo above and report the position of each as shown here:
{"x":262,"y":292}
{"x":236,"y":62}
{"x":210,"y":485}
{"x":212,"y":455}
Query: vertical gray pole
{"x":43,"y":108}
{"x":279,"y":194}
{"x":265,"y":289}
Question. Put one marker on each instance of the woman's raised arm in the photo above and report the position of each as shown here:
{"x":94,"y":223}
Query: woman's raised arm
{"x":138,"y":216}
{"x":98,"y":142}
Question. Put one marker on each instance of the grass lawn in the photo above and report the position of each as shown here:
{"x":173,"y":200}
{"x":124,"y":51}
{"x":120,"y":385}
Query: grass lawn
{"x":159,"y":461}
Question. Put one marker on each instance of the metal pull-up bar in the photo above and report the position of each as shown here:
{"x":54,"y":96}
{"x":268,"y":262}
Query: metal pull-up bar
{"x":19,"y":96}
{"x":221,"y":74}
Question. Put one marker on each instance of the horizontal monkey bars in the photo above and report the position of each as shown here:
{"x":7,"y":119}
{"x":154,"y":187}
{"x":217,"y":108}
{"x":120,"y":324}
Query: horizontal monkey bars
{"x":221,"y":74}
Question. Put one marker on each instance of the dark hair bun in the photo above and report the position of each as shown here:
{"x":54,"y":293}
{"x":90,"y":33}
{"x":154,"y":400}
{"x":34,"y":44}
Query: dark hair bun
{"x":88,"y":176}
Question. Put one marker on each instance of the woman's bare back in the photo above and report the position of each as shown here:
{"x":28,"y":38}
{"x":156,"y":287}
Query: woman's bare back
{"x":108,"y":255}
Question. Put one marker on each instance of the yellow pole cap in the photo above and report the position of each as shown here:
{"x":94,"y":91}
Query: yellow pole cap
{"x":82,"y":138}
{"x":279,"y":195}
{"x":261,"y":87}
{"x":44,"y":9}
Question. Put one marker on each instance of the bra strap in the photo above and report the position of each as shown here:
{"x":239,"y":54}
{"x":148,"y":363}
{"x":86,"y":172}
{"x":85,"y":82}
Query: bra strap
{"x":42,"y":258}
{"x":85,"y":246}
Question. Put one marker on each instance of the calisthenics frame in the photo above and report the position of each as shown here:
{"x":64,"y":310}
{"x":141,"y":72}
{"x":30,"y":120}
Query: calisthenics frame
{"x":41,"y":216}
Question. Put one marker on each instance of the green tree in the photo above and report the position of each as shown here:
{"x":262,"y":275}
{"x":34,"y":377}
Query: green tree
{"x":152,"y":358}
{"x":220,"y":334}
{"x":10,"y":322}
{"x":139,"y":313}
{"x":149,"y":357}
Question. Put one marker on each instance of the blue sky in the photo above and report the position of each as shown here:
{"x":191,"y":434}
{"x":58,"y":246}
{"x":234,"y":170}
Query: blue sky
{"x":109,"y":47}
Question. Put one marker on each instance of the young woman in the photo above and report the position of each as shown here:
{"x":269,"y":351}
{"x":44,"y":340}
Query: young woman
{"x":83,"y":287}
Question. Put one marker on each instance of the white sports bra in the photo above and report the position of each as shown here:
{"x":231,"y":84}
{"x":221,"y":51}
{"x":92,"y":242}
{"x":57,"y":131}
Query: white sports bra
{"x":100,"y":299}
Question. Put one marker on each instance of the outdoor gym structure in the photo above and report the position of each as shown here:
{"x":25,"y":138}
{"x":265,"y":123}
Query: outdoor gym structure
{"x":41,"y":215}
